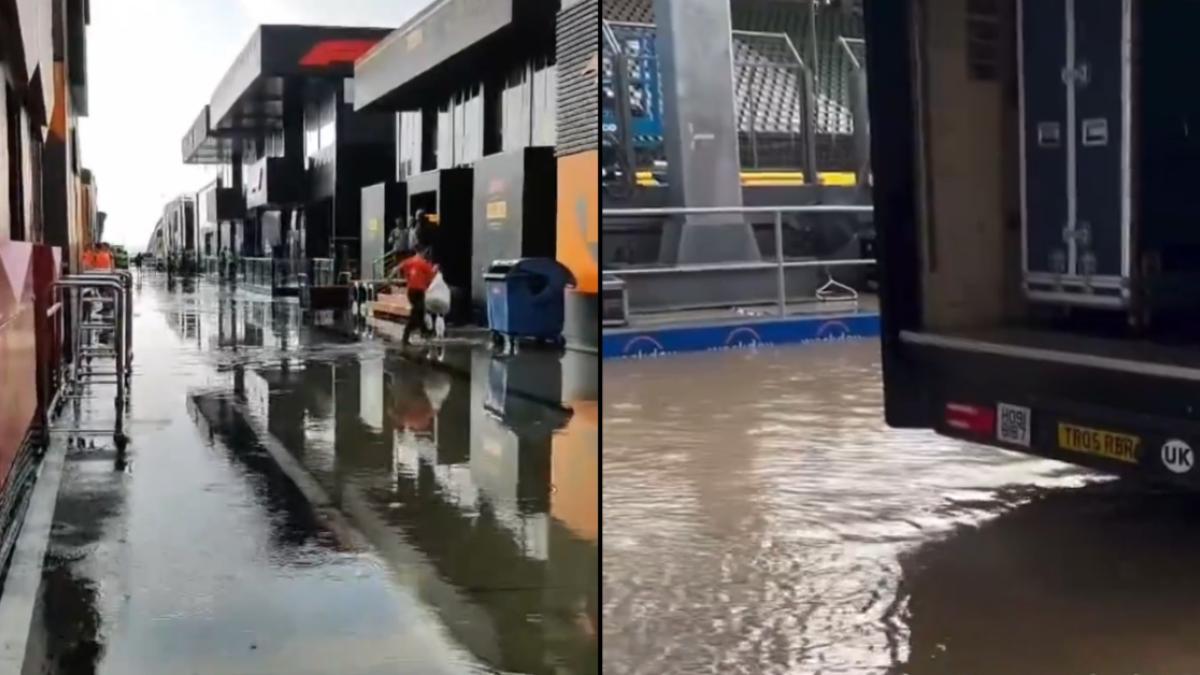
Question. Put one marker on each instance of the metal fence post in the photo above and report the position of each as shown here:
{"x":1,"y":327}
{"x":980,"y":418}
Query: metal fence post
{"x":781,"y":279}
{"x":809,"y":122}
{"x":753,"y":122}
{"x":763,"y":266}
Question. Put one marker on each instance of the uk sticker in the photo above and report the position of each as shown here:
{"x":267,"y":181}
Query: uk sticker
{"x":1177,"y":456}
{"x":1013,"y":424}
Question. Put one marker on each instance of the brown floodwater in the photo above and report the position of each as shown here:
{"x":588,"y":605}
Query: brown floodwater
{"x":759,"y":517}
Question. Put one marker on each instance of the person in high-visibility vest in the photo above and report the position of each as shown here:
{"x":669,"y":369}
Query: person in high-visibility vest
{"x":97,"y":259}
{"x":103,"y":257}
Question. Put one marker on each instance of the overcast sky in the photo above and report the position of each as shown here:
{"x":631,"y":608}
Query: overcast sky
{"x":152,"y":65}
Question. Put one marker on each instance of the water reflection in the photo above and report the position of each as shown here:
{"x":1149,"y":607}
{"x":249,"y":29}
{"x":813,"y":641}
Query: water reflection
{"x":223,"y":320}
{"x":474,"y":477}
{"x":1097,"y":580}
{"x":202,"y":558}
{"x":758,"y":512}
{"x":70,"y":609}
{"x":292,"y":524}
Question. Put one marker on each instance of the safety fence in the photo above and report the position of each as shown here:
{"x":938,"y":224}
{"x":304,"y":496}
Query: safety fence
{"x":795,"y":110}
{"x":321,"y":272}
{"x":718,"y":274}
{"x":265,"y":272}
{"x":270,"y":272}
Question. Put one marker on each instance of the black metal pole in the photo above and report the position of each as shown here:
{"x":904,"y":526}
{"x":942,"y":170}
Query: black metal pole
{"x":812,"y":68}
{"x":809,"y":98}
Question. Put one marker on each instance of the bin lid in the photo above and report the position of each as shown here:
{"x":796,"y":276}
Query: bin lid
{"x":552,"y":270}
{"x":500,"y":268}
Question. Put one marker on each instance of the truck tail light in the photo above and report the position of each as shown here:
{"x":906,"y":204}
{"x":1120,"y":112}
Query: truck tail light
{"x":974,"y":419}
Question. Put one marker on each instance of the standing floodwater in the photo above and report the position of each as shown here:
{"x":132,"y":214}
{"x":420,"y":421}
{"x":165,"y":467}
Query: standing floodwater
{"x":296,"y":500}
{"x":759,"y":517}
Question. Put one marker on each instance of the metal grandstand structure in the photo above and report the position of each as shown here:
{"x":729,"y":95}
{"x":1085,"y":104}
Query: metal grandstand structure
{"x":796,"y":67}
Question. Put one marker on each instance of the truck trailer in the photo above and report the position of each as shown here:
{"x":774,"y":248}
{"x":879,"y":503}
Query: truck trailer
{"x":1035,"y":165}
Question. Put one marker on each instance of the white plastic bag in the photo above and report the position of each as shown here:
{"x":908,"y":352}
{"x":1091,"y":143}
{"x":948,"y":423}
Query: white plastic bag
{"x":437,"y":298}
{"x":437,"y":388}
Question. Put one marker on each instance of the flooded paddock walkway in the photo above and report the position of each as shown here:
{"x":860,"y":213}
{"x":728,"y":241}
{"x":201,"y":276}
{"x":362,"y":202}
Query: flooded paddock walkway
{"x":458,"y":533}
{"x":760,"y":518}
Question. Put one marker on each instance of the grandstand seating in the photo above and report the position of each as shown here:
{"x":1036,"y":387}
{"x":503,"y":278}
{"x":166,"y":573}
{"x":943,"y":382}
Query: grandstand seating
{"x":832,"y":70}
{"x":767,"y":81}
{"x":632,"y":11}
{"x":768,"y":88}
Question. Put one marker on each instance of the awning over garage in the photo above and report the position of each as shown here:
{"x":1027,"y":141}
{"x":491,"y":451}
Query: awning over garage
{"x":248,"y":103}
{"x":446,"y":42}
{"x":200,"y":146}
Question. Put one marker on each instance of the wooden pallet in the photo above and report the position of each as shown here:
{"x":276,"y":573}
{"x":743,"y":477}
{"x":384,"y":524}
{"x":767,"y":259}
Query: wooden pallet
{"x":391,"y":306}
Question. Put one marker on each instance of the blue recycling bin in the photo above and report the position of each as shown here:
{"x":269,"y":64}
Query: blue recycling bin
{"x":525,"y":298}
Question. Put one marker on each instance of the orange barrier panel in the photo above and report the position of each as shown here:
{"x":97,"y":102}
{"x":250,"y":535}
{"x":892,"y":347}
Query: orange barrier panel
{"x":579,"y":218}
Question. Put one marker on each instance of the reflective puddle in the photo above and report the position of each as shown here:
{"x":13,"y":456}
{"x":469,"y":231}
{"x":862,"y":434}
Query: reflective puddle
{"x":459,"y":534}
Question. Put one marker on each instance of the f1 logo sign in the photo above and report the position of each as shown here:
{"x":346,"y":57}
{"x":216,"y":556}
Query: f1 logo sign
{"x":329,"y":52}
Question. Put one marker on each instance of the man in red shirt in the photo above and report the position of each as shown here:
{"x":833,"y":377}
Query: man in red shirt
{"x":418,"y":274}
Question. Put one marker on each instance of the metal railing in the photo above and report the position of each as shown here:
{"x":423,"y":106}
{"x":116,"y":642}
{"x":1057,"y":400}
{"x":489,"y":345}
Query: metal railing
{"x":828,"y":291}
{"x":224,"y":268}
{"x":87,"y":295}
{"x":856,"y":53}
{"x":257,"y":272}
{"x":268,"y":272}
{"x":211,"y":266}
{"x":379,"y":266}
{"x":768,"y":68}
{"x":320,"y":271}
{"x":786,"y":117}
{"x":285,"y":272}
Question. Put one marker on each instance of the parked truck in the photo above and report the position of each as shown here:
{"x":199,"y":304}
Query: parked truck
{"x":1035,"y":167}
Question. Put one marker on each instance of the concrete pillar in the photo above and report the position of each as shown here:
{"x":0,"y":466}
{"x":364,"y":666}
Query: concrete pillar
{"x":56,"y":198}
{"x":700,"y":132}
{"x":293,"y":144}
{"x":237,"y":228}
{"x":293,"y":121}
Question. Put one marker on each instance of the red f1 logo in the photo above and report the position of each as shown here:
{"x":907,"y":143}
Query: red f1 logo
{"x":330,"y":52}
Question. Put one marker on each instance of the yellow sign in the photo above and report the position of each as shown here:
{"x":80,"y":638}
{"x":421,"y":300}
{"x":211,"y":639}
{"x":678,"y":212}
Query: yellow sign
{"x":497,"y":210}
{"x":1121,"y":447}
{"x":374,"y":225}
{"x":414,"y":39}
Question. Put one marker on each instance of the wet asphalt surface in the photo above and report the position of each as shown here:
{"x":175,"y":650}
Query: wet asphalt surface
{"x":759,"y":517}
{"x":465,"y":485}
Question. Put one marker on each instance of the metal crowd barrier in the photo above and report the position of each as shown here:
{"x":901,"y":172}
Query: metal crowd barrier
{"x":211,"y":266}
{"x":257,"y":271}
{"x":826,"y":292}
{"x":322,"y":272}
{"x":97,"y":289}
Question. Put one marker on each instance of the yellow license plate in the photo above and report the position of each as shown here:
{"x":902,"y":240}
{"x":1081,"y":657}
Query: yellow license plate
{"x":1121,"y":447}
